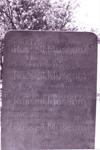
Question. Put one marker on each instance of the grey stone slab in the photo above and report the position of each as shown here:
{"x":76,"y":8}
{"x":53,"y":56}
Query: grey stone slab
{"x":49,"y":90}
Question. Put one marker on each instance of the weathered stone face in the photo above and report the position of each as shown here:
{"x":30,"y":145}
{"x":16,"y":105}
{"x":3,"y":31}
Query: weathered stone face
{"x":49,"y":90}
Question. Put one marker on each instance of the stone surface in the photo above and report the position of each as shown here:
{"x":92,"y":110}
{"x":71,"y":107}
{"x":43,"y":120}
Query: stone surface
{"x":49,"y":90}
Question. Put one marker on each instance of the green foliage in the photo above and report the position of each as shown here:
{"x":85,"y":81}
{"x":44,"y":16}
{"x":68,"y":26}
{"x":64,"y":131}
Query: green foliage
{"x":35,"y":15}
{"x":24,"y":14}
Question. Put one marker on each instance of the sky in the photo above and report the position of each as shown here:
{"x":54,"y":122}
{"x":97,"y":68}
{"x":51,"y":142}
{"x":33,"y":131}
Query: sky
{"x":88,"y":14}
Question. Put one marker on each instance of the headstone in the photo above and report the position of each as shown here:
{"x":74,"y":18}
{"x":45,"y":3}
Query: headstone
{"x":49,"y":90}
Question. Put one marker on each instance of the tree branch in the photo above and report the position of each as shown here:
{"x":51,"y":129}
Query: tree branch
{"x":11,"y":21}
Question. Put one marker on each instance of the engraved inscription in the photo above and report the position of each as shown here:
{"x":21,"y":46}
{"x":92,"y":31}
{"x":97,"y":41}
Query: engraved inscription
{"x":51,"y":126}
{"x":48,"y":75}
{"x":49,"y":90}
